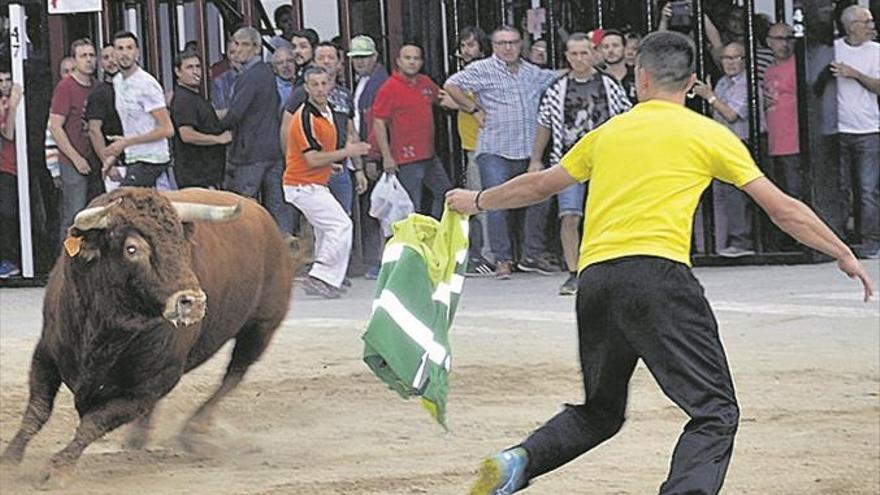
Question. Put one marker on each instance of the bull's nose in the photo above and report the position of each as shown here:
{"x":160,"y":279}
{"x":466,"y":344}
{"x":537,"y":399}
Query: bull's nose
{"x":185,"y":307}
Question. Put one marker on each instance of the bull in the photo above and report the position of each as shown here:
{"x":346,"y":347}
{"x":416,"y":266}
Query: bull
{"x":148,"y":287}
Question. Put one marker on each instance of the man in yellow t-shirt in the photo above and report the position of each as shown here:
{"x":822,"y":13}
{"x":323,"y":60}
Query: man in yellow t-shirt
{"x":637,"y":298}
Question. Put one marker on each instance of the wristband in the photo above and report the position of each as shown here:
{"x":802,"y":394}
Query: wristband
{"x":477,"y":201}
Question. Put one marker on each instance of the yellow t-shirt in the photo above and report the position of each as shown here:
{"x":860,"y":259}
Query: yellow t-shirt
{"x":647,"y":170}
{"x":468,"y":129}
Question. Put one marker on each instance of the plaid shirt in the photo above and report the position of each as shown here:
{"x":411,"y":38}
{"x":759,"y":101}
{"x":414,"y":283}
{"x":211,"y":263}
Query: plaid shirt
{"x":510,"y":101}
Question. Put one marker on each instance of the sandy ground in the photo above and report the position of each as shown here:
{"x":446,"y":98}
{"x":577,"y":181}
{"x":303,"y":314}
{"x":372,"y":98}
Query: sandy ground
{"x":311,"y":419}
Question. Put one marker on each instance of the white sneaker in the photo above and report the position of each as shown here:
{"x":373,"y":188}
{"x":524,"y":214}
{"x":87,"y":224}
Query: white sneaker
{"x":735,"y":252}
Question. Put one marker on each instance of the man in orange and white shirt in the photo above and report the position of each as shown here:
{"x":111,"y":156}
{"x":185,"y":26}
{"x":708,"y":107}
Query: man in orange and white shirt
{"x":314,"y":151}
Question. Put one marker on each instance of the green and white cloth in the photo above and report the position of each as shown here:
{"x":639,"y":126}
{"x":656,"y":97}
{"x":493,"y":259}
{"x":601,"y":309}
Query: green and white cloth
{"x":417,"y":292}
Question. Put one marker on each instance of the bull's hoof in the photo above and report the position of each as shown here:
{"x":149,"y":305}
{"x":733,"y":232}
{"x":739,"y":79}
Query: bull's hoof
{"x":197,"y":438}
{"x":11,"y":458}
{"x":53,"y":478}
{"x":136,"y":439}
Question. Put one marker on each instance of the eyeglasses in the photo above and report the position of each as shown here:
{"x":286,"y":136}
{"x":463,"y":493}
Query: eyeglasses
{"x":736,"y":58}
{"x":866,"y":22}
{"x":507,"y":43}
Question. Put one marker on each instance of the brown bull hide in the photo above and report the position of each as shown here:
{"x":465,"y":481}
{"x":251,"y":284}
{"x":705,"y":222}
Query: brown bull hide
{"x":146,"y":299}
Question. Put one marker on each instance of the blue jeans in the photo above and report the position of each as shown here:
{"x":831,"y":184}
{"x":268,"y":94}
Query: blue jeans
{"x":428,"y":173}
{"x":74,"y":195}
{"x":861,"y":152}
{"x":341,"y":189}
{"x":495,"y":170}
{"x":264,"y":179}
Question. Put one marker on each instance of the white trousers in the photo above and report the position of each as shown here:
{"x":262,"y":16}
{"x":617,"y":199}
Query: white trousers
{"x":332,"y":230}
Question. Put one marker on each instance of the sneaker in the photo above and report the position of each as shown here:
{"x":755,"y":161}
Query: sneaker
{"x":502,"y":474}
{"x":479,"y":267}
{"x":503,"y":269}
{"x":735,"y":252}
{"x":8,"y":269}
{"x":535,"y":266}
{"x":570,"y":287}
{"x":317,"y":287}
{"x":372,"y":273}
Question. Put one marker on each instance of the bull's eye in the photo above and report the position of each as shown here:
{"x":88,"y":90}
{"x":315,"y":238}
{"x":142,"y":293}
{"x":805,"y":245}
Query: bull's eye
{"x":131,"y":250}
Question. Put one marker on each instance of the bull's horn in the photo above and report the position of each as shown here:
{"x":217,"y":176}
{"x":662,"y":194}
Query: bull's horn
{"x":96,"y":217}
{"x":194,"y":212}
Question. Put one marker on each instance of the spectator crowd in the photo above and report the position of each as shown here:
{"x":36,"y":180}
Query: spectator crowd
{"x":282,"y":127}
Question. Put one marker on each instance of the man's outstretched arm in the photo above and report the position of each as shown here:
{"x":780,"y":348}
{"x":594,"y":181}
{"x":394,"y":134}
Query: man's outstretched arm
{"x":800,"y":222}
{"x":526,"y":189}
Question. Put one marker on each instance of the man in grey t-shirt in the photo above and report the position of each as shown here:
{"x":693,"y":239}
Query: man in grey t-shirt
{"x":146,"y":123}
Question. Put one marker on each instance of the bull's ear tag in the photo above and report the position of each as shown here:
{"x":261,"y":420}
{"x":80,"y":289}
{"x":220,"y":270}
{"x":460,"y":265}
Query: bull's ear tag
{"x":72,"y":245}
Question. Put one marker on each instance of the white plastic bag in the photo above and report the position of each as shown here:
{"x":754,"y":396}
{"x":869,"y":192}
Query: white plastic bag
{"x":389,"y":202}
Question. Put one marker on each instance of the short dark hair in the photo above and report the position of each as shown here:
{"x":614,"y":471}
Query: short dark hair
{"x":328,"y":44}
{"x":578,"y":36}
{"x":309,"y":34}
{"x":411,"y":43}
{"x":283,"y":9}
{"x":614,"y":32}
{"x":669,"y":58}
{"x":184,"y":55}
{"x":476,"y":33}
{"x":632,"y":36}
{"x":78,"y":43}
{"x":107,"y":45}
{"x":506,"y":28}
{"x":126,"y":34}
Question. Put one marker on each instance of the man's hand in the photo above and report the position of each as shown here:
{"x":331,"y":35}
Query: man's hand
{"x":336,"y":167}
{"x":389,"y":165}
{"x":854,"y":269}
{"x":108,"y":164}
{"x":446,"y":101}
{"x":115,"y":148}
{"x":535,"y":166}
{"x":81,"y":165}
{"x":372,"y":170}
{"x":15,"y":95}
{"x":480,"y":115}
{"x":360,"y":182}
{"x":840,"y":69}
{"x":358,"y":148}
{"x":224,"y":137}
{"x":463,"y":201}
{"x":114,"y":174}
{"x":703,"y":90}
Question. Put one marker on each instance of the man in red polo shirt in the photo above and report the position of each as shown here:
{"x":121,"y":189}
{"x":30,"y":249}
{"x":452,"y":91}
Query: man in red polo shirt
{"x":313,"y":152}
{"x":404,"y":125}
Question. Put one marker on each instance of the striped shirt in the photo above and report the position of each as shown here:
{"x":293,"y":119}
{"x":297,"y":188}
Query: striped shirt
{"x":552,"y":112}
{"x":510,"y":101}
